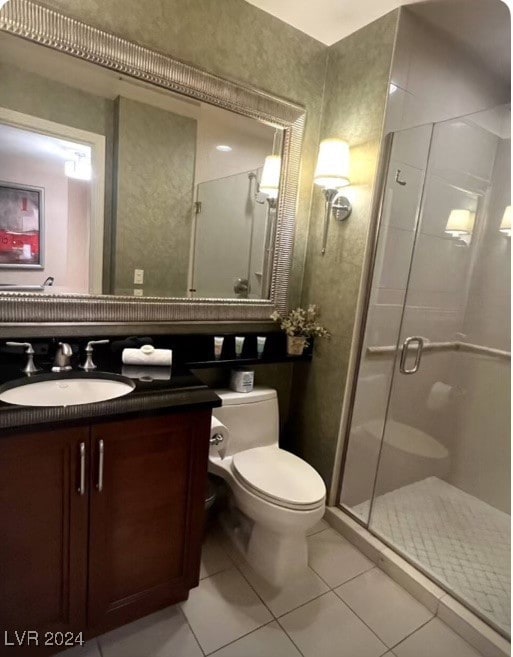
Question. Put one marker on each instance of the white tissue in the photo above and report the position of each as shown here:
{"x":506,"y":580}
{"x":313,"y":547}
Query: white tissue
{"x":146,"y":373}
{"x":439,"y":396}
{"x":147,"y":355}
{"x":218,"y":428}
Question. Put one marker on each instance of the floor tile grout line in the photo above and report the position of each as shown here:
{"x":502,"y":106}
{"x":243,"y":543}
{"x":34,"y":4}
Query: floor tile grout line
{"x":336,"y":586}
{"x":332,"y":590}
{"x":303,"y":604}
{"x":366,"y":624}
{"x":260,"y":627}
{"x":293,"y":642}
{"x":370,"y":628}
{"x":275,"y":616}
{"x":191,"y":629}
{"x":216,"y":573}
{"x":412,"y":633}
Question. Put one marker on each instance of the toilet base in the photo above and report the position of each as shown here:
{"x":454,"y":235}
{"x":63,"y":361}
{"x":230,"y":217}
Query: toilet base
{"x":275,"y":557}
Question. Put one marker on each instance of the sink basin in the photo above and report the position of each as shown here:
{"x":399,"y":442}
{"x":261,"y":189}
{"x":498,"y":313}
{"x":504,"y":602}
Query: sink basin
{"x":69,"y":390}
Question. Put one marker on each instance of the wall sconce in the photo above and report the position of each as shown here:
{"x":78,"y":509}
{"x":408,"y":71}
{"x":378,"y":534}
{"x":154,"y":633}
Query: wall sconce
{"x":78,"y":166}
{"x":460,"y":225}
{"x":332,"y":173}
{"x":505,"y":227}
{"x":270,"y":181}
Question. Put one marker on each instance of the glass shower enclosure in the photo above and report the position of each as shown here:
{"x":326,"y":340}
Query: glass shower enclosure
{"x":427,"y":458}
{"x":233,"y":238}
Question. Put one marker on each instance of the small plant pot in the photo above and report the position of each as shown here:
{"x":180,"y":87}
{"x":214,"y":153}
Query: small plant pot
{"x":295,"y":345}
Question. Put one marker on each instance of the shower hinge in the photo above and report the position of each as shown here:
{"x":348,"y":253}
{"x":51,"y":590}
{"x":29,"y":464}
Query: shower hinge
{"x":197,"y":207}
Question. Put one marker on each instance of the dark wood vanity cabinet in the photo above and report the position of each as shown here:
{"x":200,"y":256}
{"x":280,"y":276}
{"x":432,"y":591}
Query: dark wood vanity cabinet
{"x":146,"y":514}
{"x":101,"y":524}
{"x":43,"y":536}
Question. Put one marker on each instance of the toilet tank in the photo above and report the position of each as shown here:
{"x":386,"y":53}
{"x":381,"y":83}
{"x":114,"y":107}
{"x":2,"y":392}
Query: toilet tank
{"x":250,"y":417}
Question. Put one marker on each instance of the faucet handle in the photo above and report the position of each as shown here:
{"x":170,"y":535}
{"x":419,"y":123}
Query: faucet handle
{"x":29,"y":368}
{"x":89,"y":365}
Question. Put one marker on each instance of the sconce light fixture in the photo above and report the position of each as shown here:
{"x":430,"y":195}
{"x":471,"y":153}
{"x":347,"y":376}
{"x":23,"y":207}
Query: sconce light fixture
{"x":505,"y":227}
{"x":460,"y":225}
{"x":270,"y":181}
{"x":332,"y":173}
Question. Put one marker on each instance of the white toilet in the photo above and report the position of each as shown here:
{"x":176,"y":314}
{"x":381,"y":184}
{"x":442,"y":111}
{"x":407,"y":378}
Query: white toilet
{"x":276,"y":496}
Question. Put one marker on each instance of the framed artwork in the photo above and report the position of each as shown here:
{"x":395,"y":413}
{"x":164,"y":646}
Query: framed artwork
{"x":21,"y":226}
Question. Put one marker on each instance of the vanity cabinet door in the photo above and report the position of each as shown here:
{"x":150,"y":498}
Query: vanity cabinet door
{"x":146,"y":515}
{"x":43,"y":539}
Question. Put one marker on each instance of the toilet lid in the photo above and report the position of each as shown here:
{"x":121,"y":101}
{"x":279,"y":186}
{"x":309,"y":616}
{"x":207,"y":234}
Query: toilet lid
{"x":280,"y":477}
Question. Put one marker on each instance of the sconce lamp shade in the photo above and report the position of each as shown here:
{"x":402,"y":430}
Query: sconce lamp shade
{"x":332,"y":170}
{"x":270,"y":181}
{"x":3,"y":2}
{"x":460,"y":222}
{"x":505,"y":226}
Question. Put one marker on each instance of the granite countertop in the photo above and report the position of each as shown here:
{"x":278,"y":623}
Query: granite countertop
{"x":179,"y":390}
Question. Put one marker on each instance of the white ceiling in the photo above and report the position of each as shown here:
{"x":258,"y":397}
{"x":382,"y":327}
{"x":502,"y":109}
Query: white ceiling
{"x":479,"y":26}
{"x":329,"y":21}
{"x":15,"y":141}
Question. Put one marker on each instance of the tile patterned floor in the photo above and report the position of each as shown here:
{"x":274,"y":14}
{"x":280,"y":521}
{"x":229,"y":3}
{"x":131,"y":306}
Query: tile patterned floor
{"x":343,"y":606}
{"x":460,"y":539}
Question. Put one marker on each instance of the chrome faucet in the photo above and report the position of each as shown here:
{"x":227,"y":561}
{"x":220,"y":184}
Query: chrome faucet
{"x":88,"y":365}
{"x":62,"y":358}
{"x":29,"y":368}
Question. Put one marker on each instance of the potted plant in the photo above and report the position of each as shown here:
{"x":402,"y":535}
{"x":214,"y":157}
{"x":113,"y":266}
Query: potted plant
{"x":300,"y":324}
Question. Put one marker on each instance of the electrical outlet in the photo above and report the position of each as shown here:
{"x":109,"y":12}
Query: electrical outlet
{"x":138,"y":292}
{"x":138,"y":276}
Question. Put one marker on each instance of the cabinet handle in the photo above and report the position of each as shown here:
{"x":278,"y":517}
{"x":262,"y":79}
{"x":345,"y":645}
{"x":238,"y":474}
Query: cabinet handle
{"x":82,"y":450}
{"x":101,"y":451}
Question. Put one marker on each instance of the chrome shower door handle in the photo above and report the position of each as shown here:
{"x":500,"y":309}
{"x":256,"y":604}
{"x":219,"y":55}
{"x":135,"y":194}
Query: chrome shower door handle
{"x":101,"y":452}
{"x":404,"y":354}
{"x":82,"y":451}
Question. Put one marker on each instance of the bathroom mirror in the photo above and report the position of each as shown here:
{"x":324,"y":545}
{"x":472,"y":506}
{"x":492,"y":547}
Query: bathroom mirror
{"x":157,"y":181}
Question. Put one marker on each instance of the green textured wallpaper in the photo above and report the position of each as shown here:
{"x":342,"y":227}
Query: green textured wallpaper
{"x":356,"y":91}
{"x":154,"y":159}
{"x":238,"y":41}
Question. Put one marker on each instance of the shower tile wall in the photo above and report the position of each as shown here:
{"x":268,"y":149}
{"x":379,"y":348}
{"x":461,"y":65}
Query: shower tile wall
{"x":427,"y":89}
{"x":438,"y":294}
{"x":425,"y":92}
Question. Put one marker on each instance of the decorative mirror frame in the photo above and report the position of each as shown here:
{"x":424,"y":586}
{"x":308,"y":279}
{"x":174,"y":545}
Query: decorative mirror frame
{"x":49,"y":28}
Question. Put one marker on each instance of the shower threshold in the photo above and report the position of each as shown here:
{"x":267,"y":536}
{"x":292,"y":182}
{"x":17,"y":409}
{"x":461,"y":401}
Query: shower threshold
{"x":456,"y":539}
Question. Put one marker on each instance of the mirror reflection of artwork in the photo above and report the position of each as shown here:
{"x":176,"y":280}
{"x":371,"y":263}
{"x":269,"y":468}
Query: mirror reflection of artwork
{"x":21,"y":215}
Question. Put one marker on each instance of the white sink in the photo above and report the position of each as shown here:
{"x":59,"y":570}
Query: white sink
{"x":69,"y":390}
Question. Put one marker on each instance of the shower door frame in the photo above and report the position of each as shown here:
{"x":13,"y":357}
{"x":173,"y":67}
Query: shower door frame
{"x":358,"y":346}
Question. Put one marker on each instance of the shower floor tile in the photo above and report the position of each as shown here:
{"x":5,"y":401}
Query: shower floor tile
{"x":463,"y":541}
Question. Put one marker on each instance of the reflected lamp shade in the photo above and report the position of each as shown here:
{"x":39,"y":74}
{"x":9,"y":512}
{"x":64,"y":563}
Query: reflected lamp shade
{"x":460,"y":222}
{"x":332,"y":170}
{"x":505,"y":226}
{"x":270,"y":181}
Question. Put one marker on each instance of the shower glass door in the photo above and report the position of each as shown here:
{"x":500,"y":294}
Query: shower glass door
{"x":427,"y":465}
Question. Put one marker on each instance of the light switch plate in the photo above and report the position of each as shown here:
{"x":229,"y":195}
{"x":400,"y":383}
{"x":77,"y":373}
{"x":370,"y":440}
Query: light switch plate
{"x":138,"y":276}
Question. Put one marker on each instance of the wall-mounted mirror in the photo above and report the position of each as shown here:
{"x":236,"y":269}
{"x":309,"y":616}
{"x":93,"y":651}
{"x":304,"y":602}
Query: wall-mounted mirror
{"x":109,"y":185}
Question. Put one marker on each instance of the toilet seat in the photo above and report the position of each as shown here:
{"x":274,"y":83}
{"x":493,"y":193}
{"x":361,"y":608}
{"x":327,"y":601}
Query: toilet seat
{"x":279,"y":477}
